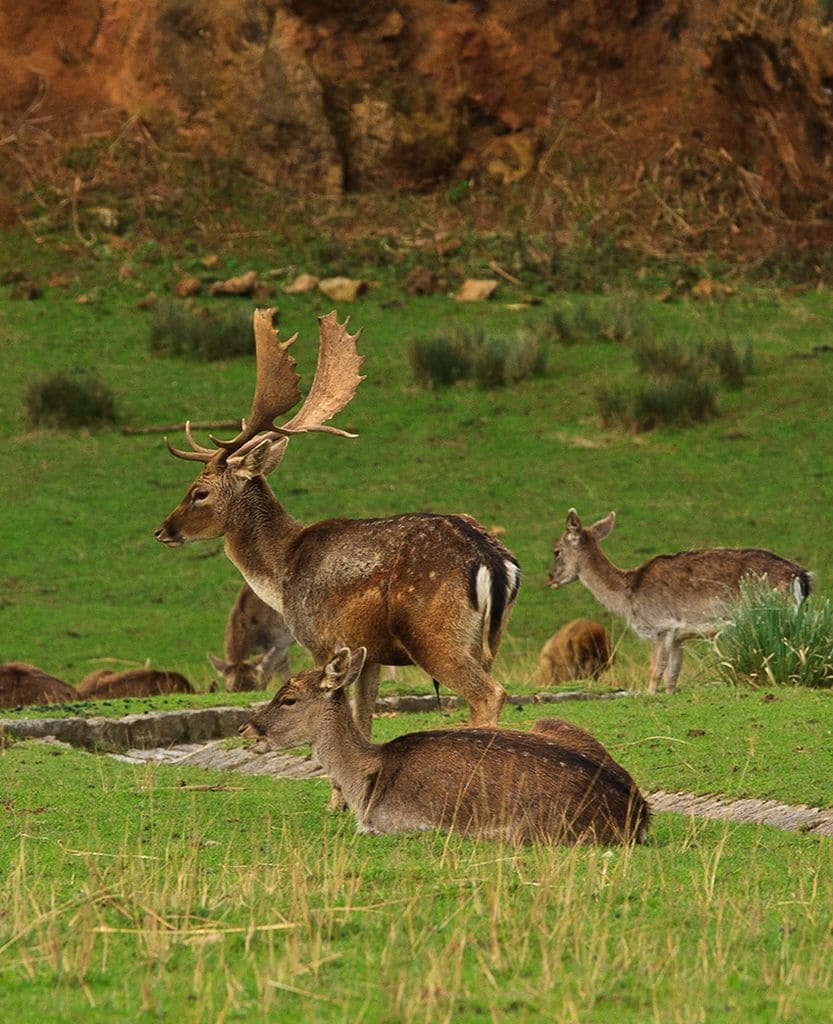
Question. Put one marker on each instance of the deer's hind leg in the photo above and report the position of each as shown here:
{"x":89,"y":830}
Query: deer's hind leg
{"x":461,"y":672}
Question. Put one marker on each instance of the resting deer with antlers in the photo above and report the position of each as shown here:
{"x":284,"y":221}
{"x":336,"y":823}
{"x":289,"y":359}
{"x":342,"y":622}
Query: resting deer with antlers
{"x":420,"y":588}
{"x":490,"y":783}
{"x":669,"y":598}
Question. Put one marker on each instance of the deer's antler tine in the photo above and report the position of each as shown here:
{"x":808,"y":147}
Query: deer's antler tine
{"x":336,"y":378}
{"x":204,"y":455}
{"x":195,"y":446}
{"x":276,"y":383}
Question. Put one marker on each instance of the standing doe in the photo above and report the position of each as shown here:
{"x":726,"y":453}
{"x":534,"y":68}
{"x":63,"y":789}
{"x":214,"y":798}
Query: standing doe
{"x":669,"y":598}
{"x":489,"y":783}
{"x":422,"y":588}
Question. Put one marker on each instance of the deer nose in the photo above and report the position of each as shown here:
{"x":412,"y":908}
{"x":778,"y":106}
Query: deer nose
{"x":249,"y":731}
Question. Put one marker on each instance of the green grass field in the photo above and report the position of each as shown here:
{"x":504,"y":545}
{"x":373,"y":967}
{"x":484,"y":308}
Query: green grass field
{"x":140,"y":894}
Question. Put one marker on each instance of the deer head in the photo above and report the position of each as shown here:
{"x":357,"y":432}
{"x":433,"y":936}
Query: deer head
{"x":571,"y":545}
{"x":230,"y":467}
{"x":294,"y":714}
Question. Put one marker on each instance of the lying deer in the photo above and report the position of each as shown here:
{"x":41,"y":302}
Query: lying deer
{"x":669,"y":598}
{"x":252,"y":626}
{"x":104,"y":684}
{"x":579,"y":650}
{"x":420,"y":588}
{"x":22,"y":684}
{"x":489,"y":783}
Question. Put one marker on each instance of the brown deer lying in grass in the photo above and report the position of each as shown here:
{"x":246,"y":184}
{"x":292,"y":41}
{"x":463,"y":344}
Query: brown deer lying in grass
{"x":669,"y":598}
{"x":491,"y":783}
{"x":579,"y":650}
{"x":104,"y":684}
{"x":253,"y":626}
{"x":421,"y":588}
{"x":22,"y":684}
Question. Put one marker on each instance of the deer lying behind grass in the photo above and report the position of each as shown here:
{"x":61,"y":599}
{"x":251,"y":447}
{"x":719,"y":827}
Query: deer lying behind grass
{"x":421,"y":588}
{"x":579,"y":650}
{"x":22,"y":684}
{"x":252,"y":626}
{"x":489,"y":783}
{"x":104,"y":684}
{"x":669,"y":598}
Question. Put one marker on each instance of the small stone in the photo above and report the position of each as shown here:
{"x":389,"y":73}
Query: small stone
{"x":475,"y":290}
{"x":302,"y":283}
{"x":342,"y":289}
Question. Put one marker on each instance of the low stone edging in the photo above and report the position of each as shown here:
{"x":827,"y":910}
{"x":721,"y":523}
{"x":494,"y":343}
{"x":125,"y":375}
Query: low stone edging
{"x":168,"y":728}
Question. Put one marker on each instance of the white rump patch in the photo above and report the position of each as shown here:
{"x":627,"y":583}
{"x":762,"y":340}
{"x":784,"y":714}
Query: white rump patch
{"x":513,"y":573}
{"x":484,"y":588}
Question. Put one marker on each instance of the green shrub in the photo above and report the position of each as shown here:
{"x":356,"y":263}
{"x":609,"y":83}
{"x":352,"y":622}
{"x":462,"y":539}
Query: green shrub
{"x":459,"y":354}
{"x":678,"y":359}
{"x":444,"y":358}
{"x":69,"y":398}
{"x":667,"y":402}
{"x":176,"y":330}
{"x":773,"y":642}
{"x":733,"y":366}
{"x":681,"y":382}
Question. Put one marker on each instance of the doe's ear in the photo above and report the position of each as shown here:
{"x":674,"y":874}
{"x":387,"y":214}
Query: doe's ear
{"x":218,"y":663}
{"x":343,"y":668}
{"x":262,"y":459}
{"x":573,"y":524}
{"x":603,"y":527}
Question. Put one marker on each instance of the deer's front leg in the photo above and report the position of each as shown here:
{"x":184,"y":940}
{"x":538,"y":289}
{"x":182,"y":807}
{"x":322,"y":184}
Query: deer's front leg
{"x":659,"y":657}
{"x":364,"y":698}
{"x":674,"y":661}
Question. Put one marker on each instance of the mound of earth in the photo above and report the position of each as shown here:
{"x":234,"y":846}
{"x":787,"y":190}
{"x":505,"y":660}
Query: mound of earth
{"x":710,"y":122}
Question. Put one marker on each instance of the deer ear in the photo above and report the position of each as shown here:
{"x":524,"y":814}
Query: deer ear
{"x":262,"y":459}
{"x":603,"y":527}
{"x":573,"y":524}
{"x":343,"y":668}
{"x":218,"y":663}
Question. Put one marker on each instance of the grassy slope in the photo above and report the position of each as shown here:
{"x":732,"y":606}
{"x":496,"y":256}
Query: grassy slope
{"x":85,"y":581}
{"x":420,"y":928}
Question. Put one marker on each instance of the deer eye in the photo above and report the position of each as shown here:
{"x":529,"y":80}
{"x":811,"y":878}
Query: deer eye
{"x":289,"y":701}
{"x":202,"y":494}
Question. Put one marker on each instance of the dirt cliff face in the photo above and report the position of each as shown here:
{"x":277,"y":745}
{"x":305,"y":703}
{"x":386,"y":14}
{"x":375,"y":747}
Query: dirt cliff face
{"x":696,"y":117}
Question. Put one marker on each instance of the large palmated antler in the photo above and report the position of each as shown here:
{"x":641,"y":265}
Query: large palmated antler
{"x":276,"y":388}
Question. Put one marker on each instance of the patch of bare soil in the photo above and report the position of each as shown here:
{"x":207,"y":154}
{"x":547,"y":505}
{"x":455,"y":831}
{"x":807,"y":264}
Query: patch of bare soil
{"x":675,"y":126}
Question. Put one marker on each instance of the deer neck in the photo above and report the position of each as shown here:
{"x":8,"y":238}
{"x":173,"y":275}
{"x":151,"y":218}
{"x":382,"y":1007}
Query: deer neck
{"x":347,"y":757}
{"x":258,"y":536}
{"x":606,"y":582}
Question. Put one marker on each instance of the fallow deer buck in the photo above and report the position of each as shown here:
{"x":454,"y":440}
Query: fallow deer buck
{"x":421,"y":588}
{"x":256,"y":644}
{"x":669,"y":598}
{"x":490,"y":783}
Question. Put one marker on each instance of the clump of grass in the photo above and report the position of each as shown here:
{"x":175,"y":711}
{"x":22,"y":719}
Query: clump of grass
{"x":680,"y":384}
{"x":733,"y":365}
{"x":580,"y":323}
{"x":772,"y":642}
{"x":69,"y":399}
{"x":670,"y":402}
{"x":443,"y":359}
{"x":176,"y":330}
